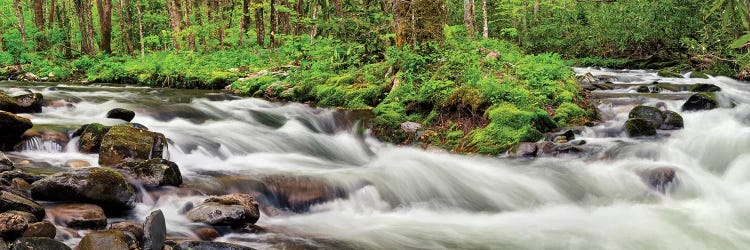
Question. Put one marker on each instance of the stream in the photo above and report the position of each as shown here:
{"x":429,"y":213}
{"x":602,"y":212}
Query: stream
{"x":343,"y":189}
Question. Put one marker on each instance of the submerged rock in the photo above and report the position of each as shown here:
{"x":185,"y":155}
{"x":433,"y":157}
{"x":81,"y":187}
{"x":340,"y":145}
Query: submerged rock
{"x":658,"y":178}
{"x":41,"y":243}
{"x":697,"y":74}
{"x":667,"y":73}
{"x":12,"y":127}
{"x":704,"y":87}
{"x":643,"y":89}
{"x":208,"y":245}
{"x":154,"y":231}
{"x":124,"y":143}
{"x":78,"y":215}
{"x":152,"y":173}
{"x":526,"y":149}
{"x":701,"y":101}
{"x":122,"y":114}
{"x":638,"y":127}
{"x":672,"y":120}
{"x":653,"y":115}
{"x":91,"y":137}
{"x":100,"y":186}
{"x":109,"y":239}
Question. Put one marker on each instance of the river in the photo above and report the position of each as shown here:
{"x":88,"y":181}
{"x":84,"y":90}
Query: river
{"x":381,"y":196}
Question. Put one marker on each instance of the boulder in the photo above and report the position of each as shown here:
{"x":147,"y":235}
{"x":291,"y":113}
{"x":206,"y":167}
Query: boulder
{"x":208,"y":245}
{"x":411,"y":127}
{"x":218,"y":214}
{"x":131,"y":227}
{"x":700,"y":101}
{"x":41,"y":229}
{"x":697,"y":74}
{"x":151,"y":173}
{"x":12,"y":225}
{"x":546,"y":149}
{"x":8,"y":176}
{"x":297,"y":193}
{"x":109,"y":239}
{"x":643,"y":89}
{"x":670,"y":74}
{"x":122,"y":114}
{"x":207,"y":233}
{"x":704,"y":87}
{"x":672,"y":120}
{"x":78,"y":215}
{"x":29,"y":103}
{"x":526,"y":149}
{"x":31,"y":77}
{"x":12,"y":127}
{"x":91,"y":137}
{"x":638,"y":127}
{"x":588,"y":79}
{"x":10,"y":201}
{"x":658,"y":178}
{"x":247,"y":202}
{"x":154,"y":231}
{"x":652,"y":115}
{"x":101,"y":186}
{"x":21,"y":186}
{"x":40,"y":243}
{"x":5,"y":163}
{"x":124,"y":143}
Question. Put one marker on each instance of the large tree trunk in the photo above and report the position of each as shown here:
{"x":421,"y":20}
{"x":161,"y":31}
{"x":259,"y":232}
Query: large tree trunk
{"x":338,"y":6}
{"x":39,"y":23}
{"x":244,"y":20}
{"x":197,"y":14}
{"x":19,"y":19}
{"x":260,"y":25}
{"x":86,"y":24}
{"x":126,"y":21}
{"x":175,"y":19}
{"x":469,"y":21}
{"x":64,"y":25}
{"x":104,"y":8}
{"x":140,"y":29}
{"x":402,"y":16}
{"x":274,"y":24}
{"x":485,"y":26}
{"x":188,"y":23}
{"x":418,"y":21}
{"x":314,"y":28}
{"x":52,"y":13}
{"x":299,"y":27}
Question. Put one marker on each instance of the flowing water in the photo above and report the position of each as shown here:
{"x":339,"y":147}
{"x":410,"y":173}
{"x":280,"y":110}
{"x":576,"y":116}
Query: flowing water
{"x":381,"y":196}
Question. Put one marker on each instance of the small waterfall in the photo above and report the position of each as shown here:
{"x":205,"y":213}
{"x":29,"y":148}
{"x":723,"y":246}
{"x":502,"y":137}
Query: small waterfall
{"x":38,"y":145}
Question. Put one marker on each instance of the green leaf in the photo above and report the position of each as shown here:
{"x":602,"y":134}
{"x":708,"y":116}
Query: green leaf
{"x":740,"y":42}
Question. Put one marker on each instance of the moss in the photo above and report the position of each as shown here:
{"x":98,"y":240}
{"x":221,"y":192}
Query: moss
{"x":673,"y":120}
{"x":123,"y":143}
{"x":698,"y":74}
{"x":91,"y":138}
{"x":667,"y":73}
{"x":637,"y":127}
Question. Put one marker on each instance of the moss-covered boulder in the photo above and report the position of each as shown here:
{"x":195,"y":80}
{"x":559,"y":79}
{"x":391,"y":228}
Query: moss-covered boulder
{"x":653,"y":115}
{"x":101,"y":186}
{"x":12,"y":127}
{"x":124,"y":143}
{"x":151,"y":173}
{"x":704,"y":87}
{"x":29,"y":243}
{"x":108,"y":239}
{"x":672,"y":120}
{"x":700,"y":101}
{"x":698,"y":74}
{"x":122,"y":114}
{"x":670,"y":74}
{"x":91,"y":137}
{"x":638,"y":127}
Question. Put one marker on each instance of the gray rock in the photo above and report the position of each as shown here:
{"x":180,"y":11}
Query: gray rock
{"x":700,"y":101}
{"x":411,"y":127}
{"x":637,"y":127}
{"x":154,"y":231}
{"x":151,"y":173}
{"x":213,"y":213}
{"x":653,"y":115}
{"x":125,"y":143}
{"x":526,"y":149}
{"x":131,"y":227}
{"x":659,"y":178}
{"x":122,"y":114}
{"x":10,"y":201}
{"x":101,"y":186}
{"x":38,"y":243}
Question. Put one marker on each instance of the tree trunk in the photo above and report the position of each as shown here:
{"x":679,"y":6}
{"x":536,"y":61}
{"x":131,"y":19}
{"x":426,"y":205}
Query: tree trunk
{"x":469,"y":21}
{"x":260,"y":26}
{"x":19,"y":19}
{"x":86,"y":24}
{"x":485,"y":26}
{"x":245,"y":20}
{"x":38,"y":6}
{"x":314,"y":28}
{"x":140,"y":29}
{"x":274,"y":24}
{"x":64,"y":24}
{"x":199,"y":19}
{"x":123,"y":7}
{"x":188,"y":23}
{"x":52,"y":13}
{"x":175,"y":19}
{"x":402,"y":22}
{"x":299,"y":27}
{"x":338,"y":6}
{"x":104,"y":8}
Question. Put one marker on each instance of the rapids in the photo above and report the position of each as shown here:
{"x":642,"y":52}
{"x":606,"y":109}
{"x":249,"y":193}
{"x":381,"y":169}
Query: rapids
{"x":394,"y":197}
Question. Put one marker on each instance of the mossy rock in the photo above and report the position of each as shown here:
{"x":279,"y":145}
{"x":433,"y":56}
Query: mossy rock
{"x":152,"y":173}
{"x":698,"y":74}
{"x":91,"y":137}
{"x":704,"y":87}
{"x":12,"y":127}
{"x":638,"y":127}
{"x":701,"y":101}
{"x":107,"y":239}
{"x":670,"y":74}
{"x":27,"y":243}
{"x":28,"y":103}
{"x":101,"y":186}
{"x":125,"y":143}
{"x":653,"y":115}
{"x":672,"y":120}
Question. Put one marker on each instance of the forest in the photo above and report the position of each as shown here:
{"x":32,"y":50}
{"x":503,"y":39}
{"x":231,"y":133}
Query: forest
{"x":482,"y":75}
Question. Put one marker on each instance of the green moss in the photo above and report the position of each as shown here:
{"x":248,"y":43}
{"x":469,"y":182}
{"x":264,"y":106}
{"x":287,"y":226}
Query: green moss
{"x":670,"y":74}
{"x":91,"y":138}
{"x":698,"y":74}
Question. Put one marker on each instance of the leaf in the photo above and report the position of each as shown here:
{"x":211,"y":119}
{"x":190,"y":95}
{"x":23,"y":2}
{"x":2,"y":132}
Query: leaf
{"x":740,"y":42}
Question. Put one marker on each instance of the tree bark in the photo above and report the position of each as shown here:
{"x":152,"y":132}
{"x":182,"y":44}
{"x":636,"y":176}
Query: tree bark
{"x":19,"y":19}
{"x":188,"y":23}
{"x":64,"y":24}
{"x":104,"y":8}
{"x":244,"y":21}
{"x":52,"y":13}
{"x":338,"y":6}
{"x":274,"y":24}
{"x":469,"y":21}
{"x":140,"y":29}
{"x":402,"y":22}
{"x":260,"y":26}
{"x":86,"y":24}
{"x":175,"y":19}
{"x":299,"y":27}
{"x":126,"y":20}
{"x":485,"y":26}
{"x":38,"y":6}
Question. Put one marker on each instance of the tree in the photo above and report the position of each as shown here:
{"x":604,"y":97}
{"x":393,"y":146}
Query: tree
{"x":260,"y":26}
{"x":19,"y":19}
{"x":274,"y":24}
{"x":86,"y":25}
{"x":140,"y":28}
{"x":38,"y":6}
{"x":469,"y":21}
{"x":175,"y":19}
{"x":104,"y":9}
{"x":417,"y":21}
{"x":485,"y":28}
{"x":126,"y":21}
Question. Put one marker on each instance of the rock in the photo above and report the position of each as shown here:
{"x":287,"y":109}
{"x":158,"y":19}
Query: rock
{"x":29,"y":103}
{"x":411,"y":127}
{"x":20,"y":185}
{"x":8,"y":176}
{"x":697,"y":74}
{"x":152,"y":173}
{"x":208,"y":245}
{"x":637,"y":127}
{"x":247,"y":202}
{"x":31,"y":77}
{"x":109,"y":239}
{"x":124,"y":143}
{"x":38,"y":243}
{"x":658,"y":178}
{"x":91,"y":137}
{"x":526,"y":149}
{"x":78,"y":215}
{"x":546,"y":149}
{"x":5,"y":163}
{"x":131,"y":227}
{"x":704,"y":87}
{"x":41,"y":229}
{"x":10,"y":201}
{"x":672,"y":120}
{"x":667,"y":73}
{"x":700,"y":101}
{"x":589,"y":78}
{"x":154,"y":231}
{"x":30,"y":218}
{"x":12,"y":226}
{"x":100,"y":186}
{"x":653,"y":115}
{"x":218,"y":214}
{"x":13,"y":127}
{"x":122,"y":114}
{"x":643,"y":89}
{"x":77,"y":164}
{"x":207,"y":233}
{"x":297,"y":193}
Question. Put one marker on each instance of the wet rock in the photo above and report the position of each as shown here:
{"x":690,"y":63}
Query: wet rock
{"x":12,"y":226}
{"x":588,"y":79}
{"x":12,"y":127}
{"x":411,"y":127}
{"x":672,"y":120}
{"x":670,"y":74}
{"x":29,"y":217}
{"x":20,"y":185}
{"x":5,"y":163}
{"x":526,"y":149}
{"x":643,"y":89}
{"x":207,"y":233}
{"x":700,"y":101}
{"x":109,"y":239}
{"x":208,"y":245}
{"x":658,"y":178}
{"x":124,"y":143}
{"x":122,"y":114}
{"x":218,"y":214}
{"x":637,"y":127}
{"x":652,"y":115}
{"x":546,"y":149}
{"x":29,"y":103}
{"x":154,"y":231}
{"x":100,"y":186}
{"x":77,"y":164}
{"x":131,"y":227}
{"x":78,"y":215}
{"x":91,"y":137}
{"x":41,"y":229}
{"x":704,"y":87}
{"x":38,"y":243}
{"x":247,"y":202}
{"x":697,"y":74}
{"x":31,"y":77}
{"x":10,"y":201}
{"x":152,"y":173}
{"x":8,"y":176}
{"x":297,"y":193}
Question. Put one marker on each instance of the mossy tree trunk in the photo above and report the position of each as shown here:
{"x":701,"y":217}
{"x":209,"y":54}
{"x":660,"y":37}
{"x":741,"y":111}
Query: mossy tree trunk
{"x":469,"y":21}
{"x":19,"y":20}
{"x":104,"y":9}
{"x":260,"y":25}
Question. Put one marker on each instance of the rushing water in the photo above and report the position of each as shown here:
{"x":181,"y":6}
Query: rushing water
{"x":390,"y":197}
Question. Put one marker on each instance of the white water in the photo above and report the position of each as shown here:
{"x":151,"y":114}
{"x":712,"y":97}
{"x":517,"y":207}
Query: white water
{"x":401,"y":197}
